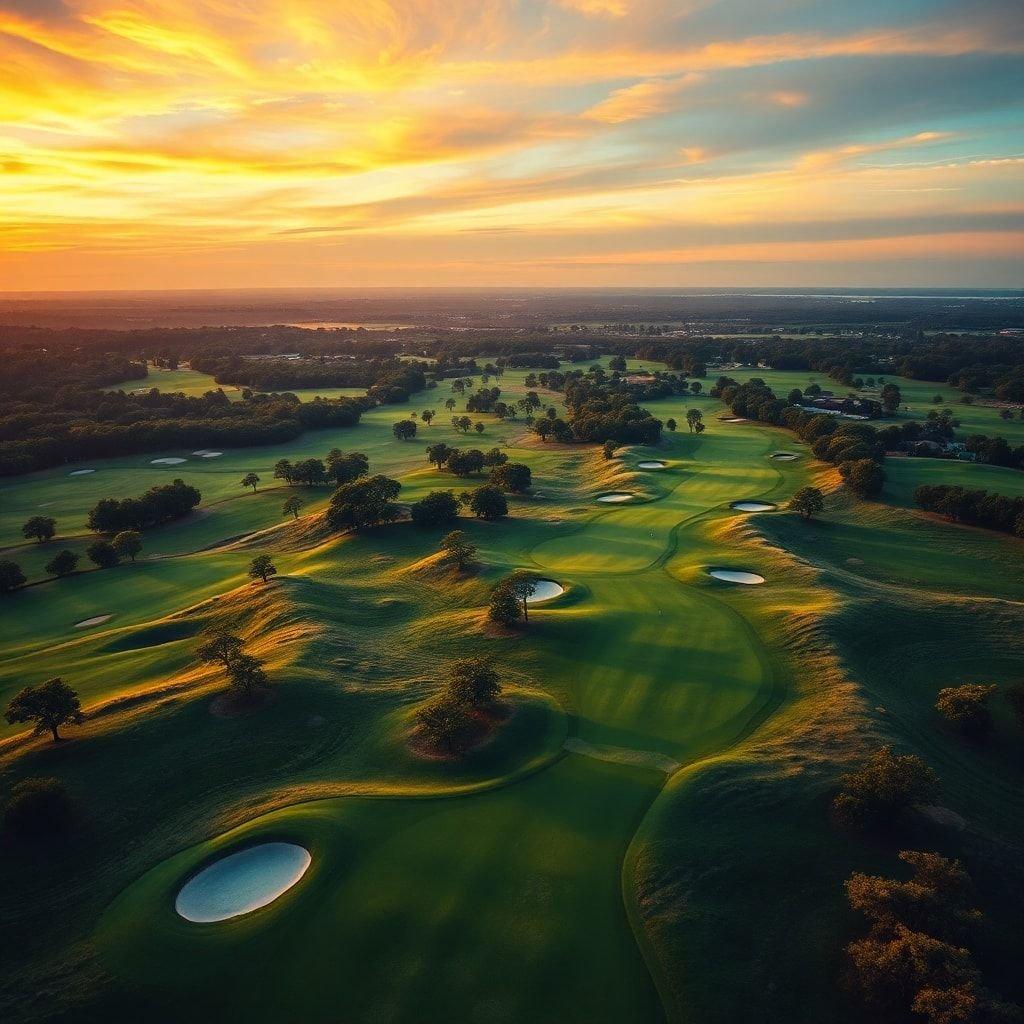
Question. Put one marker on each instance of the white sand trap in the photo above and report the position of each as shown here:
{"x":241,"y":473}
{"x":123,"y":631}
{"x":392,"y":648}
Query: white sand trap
{"x":545,"y":590}
{"x":615,"y":498}
{"x":736,"y":576}
{"x":81,"y":472}
{"x":733,"y":419}
{"x":785,"y":456}
{"x":651,"y":464}
{"x":94,"y":621}
{"x":201,"y":451}
{"x":242,"y":882}
{"x":212,"y":455}
{"x":752,"y":506}
{"x":166,"y":462}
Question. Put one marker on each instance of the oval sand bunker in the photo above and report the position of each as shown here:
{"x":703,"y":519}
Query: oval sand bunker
{"x":80,"y":472}
{"x":242,"y":882}
{"x":94,"y":621}
{"x":166,"y":462}
{"x":615,"y":498}
{"x":736,"y":576}
{"x":651,"y":464}
{"x":785,"y":456}
{"x":752,"y":506}
{"x":212,"y":455}
{"x":545,"y":590}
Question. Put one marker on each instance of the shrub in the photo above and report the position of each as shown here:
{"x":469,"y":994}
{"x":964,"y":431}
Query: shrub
{"x":966,"y":707}
{"x":880,"y":792}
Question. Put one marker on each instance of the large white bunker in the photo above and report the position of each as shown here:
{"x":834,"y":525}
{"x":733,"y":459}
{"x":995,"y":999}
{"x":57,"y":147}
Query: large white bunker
{"x":615,"y":498}
{"x":545,"y":590}
{"x":651,"y":464}
{"x":752,"y":506}
{"x":736,"y":576}
{"x":242,"y":882}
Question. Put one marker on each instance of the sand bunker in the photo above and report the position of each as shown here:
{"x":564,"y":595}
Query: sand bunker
{"x":81,"y":472}
{"x":732,"y":419}
{"x":785,"y":456}
{"x":242,"y":882}
{"x":201,"y":451}
{"x":94,"y":621}
{"x":652,"y":464}
{"x":166,"y":462}
{"x":615,"y":498}
{"x":545,"y":590}
{"x":212,"y":455}
{"x":752,"y":506}
{"x":736,"y":576}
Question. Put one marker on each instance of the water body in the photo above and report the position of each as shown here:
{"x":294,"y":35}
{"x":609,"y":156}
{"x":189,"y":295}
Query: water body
{"x":242,"y":882}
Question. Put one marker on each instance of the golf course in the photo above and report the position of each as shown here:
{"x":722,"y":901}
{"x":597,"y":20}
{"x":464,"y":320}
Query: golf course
{"x":644,"y":837}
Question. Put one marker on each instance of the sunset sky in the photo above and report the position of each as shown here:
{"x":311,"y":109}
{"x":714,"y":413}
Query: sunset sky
{"x":226,"y":143}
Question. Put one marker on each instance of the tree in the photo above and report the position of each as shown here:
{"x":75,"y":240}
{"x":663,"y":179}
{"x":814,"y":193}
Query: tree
{"x":437,"y":454}
{"x":458,"y":549}
{"x":62,"y":564}
{"x":694,"y":419}
{"x":488,"y":503}
{"x":696,"y":387}
{"x":449,"y":404}
{"x":50,"y":706}
{"x":671,"y":424}
{"x":404,"y":430}
{"x":250,"y":480}
{"x":447,"y":726}
{"x":427,"y":415}
{"x":246,"y":674}
{"x":128,"y":543}
{"x":608,"y":449}
{"x":38,"y":807}
{"x":102,"y":554}
{"x":505,"y":607}
{"x":218,"y":648}
{"x":262,"y":568}
{"x":966,"y":707}
{"x":40,"y":528}
{"x":11,"y":577}
{"x":283,"y":470}
{"x":291,"y":506}
{"x":463,"y":463}
{"x":878,"y":793}
{"x":864,"y":477}
{"x":474,"y":682}
{"x":808,"y":501}
{"x":795,"y":397}
{"x":495,"y":457}
{"x":344,"y":467}
{"x":364,"y":503}
{"x":437,"y":509}
{"x":521,"y":585}
{"x":514,"y":477}
{"x":891,"y":398}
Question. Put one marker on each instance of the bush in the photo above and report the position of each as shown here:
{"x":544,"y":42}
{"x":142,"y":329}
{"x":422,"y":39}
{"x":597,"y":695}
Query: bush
{"x":966,"y":707}
{"x":38,"y":807}
{"x":877,"y":795}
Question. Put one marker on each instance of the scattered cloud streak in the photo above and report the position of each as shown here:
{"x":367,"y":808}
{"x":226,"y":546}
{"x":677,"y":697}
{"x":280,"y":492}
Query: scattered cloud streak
{"x":448,"y":142}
